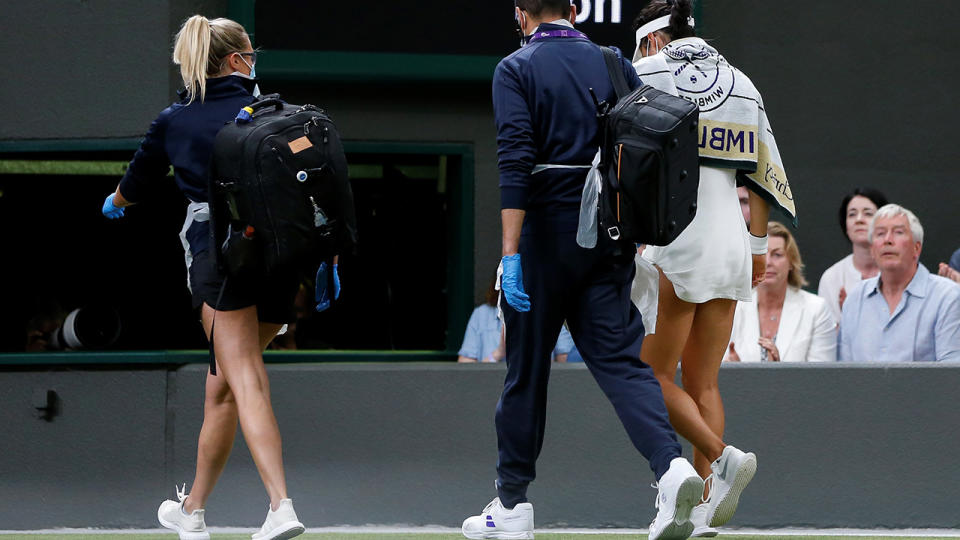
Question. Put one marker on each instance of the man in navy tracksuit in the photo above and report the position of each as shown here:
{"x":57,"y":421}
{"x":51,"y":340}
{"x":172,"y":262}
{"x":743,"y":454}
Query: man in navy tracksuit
{"x":547,"y":136}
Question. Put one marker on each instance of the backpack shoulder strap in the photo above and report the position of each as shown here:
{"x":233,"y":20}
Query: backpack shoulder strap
{"x":615,"y":71}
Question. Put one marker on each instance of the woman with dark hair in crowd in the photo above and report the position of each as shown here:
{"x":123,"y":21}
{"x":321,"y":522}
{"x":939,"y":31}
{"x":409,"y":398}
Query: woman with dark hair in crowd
{"x":783,"y":323}
{"x":855,"y":213}
{"x":216,"y":62}
{"x":708,"y":268}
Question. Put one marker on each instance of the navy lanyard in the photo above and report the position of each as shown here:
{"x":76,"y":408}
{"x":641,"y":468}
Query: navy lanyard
{"x":557,"y":34}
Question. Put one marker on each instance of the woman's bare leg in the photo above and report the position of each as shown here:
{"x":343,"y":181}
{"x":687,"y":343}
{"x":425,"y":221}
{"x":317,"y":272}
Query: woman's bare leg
{"x":238,"y":346}
{"x":702,"y":355}
{"x":662,"y":350}
{"x":219,"y":429}
{"x":216,"y":440}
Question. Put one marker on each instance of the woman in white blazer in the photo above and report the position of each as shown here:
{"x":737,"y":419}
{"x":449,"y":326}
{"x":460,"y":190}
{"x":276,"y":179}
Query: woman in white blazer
{"x":783,"y":323}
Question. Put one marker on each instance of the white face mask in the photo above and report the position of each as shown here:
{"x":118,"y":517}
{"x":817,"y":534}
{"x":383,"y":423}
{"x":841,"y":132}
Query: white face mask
{"x":655,"y":45}
{"x":251,"y":76}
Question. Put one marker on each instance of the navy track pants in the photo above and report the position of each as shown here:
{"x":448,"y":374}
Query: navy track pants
{"x":590,"y":290}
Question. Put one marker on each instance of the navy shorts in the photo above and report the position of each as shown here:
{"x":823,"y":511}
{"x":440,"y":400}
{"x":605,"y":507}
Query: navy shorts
{"x":273,"y":297}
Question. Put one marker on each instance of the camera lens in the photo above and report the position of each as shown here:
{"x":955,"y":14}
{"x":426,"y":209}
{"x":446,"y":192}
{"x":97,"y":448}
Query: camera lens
{"x":93,"y":327}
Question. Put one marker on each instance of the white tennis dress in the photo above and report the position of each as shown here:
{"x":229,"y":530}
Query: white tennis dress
{"x":711,"y":257}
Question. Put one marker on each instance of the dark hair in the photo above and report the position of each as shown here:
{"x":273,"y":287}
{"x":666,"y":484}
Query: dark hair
{"x":538,"y":7}
{"x":875,"y":196}
{"x":492,"y":293}
{"x":679,"y":11}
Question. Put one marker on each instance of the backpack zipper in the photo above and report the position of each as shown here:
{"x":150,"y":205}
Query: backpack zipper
{"x":263,"y":197}
{"x":619,"y":161}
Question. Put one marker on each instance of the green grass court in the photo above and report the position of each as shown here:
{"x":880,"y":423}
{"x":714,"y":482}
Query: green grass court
{"x":435,"y":536}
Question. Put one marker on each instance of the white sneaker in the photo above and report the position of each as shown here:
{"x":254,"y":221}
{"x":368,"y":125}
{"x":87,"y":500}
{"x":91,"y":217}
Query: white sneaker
{"x":189,"y":527}
{"x":732,"y":471}
{"x":679,"y":491}
{"x":698,"y":516}
{"x":498,"y":522}
{"x":281,"y":523}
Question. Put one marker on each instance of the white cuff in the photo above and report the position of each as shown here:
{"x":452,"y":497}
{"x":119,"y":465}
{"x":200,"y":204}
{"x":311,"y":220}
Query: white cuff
{"x":758,"y":244}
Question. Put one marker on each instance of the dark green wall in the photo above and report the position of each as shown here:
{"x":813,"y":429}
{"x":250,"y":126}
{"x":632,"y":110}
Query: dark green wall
{"x":858,"y":93}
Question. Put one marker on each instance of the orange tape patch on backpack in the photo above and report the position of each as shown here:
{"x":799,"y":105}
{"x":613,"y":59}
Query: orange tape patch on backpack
{"x":299,"y":145}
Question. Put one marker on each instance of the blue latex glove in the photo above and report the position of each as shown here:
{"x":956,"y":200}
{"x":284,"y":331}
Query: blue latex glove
{"x":336,"y":283}
{"x":511,"y":283}
{"x":109,"y":210}
{"x":323,"y":280}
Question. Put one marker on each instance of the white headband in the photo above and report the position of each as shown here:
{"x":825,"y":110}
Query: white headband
{"x":657,"y":24}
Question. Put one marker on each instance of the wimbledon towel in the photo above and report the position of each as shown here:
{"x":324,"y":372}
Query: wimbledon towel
{"x":734,"y":130}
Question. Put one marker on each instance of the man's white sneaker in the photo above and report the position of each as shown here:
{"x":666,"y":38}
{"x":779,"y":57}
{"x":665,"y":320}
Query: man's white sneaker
{"x":281,"y":523}
{"x":680,"y":488}
{"x":698,"y":516}
{"x":189,"y":526}
{"x":732,"y":471}
{"x":498,"y":522}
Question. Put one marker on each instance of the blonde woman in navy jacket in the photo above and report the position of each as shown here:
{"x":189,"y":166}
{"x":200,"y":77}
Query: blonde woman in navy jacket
{"x":217,"y":65}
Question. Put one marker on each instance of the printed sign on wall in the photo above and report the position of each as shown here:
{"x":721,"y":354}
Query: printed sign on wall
{"x":465,"y":27}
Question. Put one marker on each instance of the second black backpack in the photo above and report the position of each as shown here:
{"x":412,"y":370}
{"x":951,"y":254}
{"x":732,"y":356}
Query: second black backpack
{"x":650,"y":162}
{"x":280,"y":196}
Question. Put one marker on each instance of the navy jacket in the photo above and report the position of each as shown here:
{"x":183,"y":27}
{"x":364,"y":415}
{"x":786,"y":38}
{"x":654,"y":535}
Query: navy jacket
{"x":183,"y":136}
{"x":546,"y":115}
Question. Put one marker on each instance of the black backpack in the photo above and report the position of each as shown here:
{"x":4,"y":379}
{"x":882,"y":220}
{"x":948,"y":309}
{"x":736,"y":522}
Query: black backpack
{"x":280,"y":196}
{"x":649,"y":162}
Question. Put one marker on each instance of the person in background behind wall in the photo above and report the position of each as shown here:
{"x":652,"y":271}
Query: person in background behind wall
{"x":483,"y":340}
{"x":216,"y":62}
{"x":904,"y":314}
{"x":856,"y":211}
{"x":783,"y":323}
{"x":547,"y":135}
{"x":952,"y":270}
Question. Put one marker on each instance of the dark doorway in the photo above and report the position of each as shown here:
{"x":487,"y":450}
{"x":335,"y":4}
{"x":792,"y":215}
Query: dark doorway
{"x":59,"y":253}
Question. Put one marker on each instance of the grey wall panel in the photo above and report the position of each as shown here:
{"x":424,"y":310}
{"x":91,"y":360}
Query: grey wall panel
{"x":90,"y":69}
{"x":100,"y":462}
{"x":83,"y":69}
{"x":415,"y":444}
{"x":826,"y":436}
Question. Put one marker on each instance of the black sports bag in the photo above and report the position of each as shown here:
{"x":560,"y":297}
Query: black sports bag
{"x":280,"y":196}
{"x":649,"y":164}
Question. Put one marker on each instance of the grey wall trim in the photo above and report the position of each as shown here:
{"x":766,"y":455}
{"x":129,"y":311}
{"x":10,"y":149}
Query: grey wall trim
{"x":838,"y":446}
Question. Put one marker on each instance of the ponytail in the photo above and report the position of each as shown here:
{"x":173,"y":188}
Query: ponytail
{"x":190,"y":53}
{"x":200,"y":48}
{"x":680,"y":13}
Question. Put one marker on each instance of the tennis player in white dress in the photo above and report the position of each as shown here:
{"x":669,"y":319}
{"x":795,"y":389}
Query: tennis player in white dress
{"x":714,"y":262}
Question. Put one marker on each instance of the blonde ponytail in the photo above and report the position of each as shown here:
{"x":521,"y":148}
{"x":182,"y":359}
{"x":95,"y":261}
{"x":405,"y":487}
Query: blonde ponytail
{"x":201,"y":47}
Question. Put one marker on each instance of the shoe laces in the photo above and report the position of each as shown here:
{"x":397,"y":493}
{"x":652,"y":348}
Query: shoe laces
{"x":706,"y":483}
{"x":491,"y":505}
{"x":656,"y":501}
{"x":181,"y":492}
